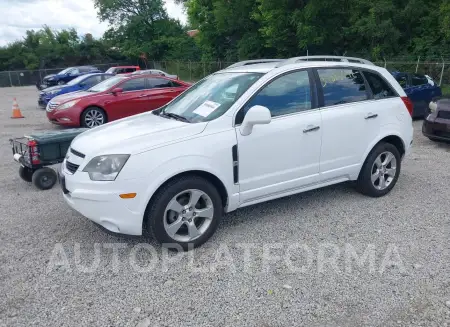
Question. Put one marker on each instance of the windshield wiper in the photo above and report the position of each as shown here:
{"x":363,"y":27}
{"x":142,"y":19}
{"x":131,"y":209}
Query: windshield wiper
{"x":175,"y":116}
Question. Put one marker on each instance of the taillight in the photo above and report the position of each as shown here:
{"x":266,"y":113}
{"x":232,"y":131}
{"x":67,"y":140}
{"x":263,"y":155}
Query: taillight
{"x":34,"y":152}
{"x":409,"y":105}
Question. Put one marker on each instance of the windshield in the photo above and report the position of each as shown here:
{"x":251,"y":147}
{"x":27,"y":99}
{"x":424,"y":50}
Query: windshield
{"x":111,"y":70}
{"x":106,"y":84}
{"x":77,"y":80}
{"x":211,"y":97}
{"x":65,"y":71}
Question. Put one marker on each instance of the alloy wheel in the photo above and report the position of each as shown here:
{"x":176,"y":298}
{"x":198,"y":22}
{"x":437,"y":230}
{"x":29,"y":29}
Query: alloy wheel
{"x":384,"y":170}
{"x":94,"y":118}
{"x":188,"y":215}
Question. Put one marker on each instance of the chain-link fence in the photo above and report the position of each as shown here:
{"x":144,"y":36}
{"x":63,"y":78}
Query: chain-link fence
{"x":32,"y":77}
{"x":193,"y":71}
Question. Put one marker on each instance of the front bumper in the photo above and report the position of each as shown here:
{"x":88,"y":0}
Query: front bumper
{"x":437,"y":128}
{"x":68,"y":117}
{"x":100,"y":201}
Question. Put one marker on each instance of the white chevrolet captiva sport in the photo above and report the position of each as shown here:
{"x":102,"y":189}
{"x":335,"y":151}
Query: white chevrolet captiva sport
{"x":256,"y":131}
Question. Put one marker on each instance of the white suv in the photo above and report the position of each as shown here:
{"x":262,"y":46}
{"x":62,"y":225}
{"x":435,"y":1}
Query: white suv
{"x":241,"y":136}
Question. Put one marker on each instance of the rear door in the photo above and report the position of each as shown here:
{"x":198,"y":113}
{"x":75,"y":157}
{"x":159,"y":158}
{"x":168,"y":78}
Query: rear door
{"x":351,"y":118}
{"x":161,"y":92}
{"x":132,"y":100}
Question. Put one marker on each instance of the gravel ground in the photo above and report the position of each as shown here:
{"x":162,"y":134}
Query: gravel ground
{"x":58,"y":269}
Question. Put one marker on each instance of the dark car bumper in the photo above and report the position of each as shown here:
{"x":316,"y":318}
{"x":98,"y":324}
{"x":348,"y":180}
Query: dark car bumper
{"x":436,"y":128}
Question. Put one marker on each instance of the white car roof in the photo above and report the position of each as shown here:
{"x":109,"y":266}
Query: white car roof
{"x":267,"y":67}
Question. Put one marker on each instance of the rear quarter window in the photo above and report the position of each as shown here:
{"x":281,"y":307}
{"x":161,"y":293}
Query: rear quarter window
{"x":380,"y":88}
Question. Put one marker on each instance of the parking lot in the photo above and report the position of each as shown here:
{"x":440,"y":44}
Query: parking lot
{"x":59,"y":269}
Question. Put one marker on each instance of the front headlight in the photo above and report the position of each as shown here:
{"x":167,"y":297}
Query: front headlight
{"x":67,"y":105}
{"x":51,"y":79}
{"x":107,"y":167}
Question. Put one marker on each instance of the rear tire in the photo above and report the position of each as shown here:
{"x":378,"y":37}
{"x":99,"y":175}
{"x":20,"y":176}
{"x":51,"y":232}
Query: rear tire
{"x":380,"y":171}
{"x":186,"y":211}
{"x":93,"y":117}
{"x":44,"y":178}
{"x":26,"y":174}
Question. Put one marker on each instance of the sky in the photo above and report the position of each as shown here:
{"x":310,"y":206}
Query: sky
{"x":21,"y":15}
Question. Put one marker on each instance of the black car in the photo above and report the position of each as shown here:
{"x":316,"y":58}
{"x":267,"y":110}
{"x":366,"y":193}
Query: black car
{"x":436,"y":125}
{"x":65,"y":76}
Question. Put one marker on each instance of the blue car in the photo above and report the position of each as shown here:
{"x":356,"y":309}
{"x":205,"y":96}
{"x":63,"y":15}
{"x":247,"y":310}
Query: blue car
{"x":421,"y":89}
{"x":80,"y":83}
{"x":65,"y":76}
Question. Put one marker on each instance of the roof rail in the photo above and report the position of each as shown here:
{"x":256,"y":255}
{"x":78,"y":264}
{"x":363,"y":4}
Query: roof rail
{"x":253,"y":62}
{"x":325,"y":58}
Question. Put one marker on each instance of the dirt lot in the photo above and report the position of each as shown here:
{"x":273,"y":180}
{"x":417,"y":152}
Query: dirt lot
{"x":58,"y":269}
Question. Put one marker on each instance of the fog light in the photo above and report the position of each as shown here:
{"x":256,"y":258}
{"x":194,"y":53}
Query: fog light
{"x":128,"y":195}
{"x":64,"y":119}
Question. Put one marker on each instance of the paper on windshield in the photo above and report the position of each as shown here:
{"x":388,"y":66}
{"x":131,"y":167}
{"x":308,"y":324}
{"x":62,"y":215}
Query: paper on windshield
{"x":206,"y":108}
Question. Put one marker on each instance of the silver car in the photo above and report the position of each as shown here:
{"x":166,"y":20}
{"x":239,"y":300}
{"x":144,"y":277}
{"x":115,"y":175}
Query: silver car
{"x":154,"y":72}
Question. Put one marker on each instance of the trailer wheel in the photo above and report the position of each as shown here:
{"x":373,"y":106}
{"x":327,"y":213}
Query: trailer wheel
{"x":26,"y":174}
{"x":44,"y":178}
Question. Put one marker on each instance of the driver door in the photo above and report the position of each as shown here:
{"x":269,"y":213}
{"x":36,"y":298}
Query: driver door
{"x":284,"y":155}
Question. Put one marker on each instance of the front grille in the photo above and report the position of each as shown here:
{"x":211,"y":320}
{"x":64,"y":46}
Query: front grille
{"x":78,"y":154}
{"x":52,"y":106}
{"x":71,"y":167}
{"x":443,"y":114}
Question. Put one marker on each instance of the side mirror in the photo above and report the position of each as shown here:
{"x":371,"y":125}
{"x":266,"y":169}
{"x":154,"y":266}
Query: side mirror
{"x":256,"y":115}
{"x":117,"y":90}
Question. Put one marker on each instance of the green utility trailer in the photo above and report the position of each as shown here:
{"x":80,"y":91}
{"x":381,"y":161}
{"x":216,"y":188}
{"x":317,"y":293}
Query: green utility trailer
{"x":36,"y":151}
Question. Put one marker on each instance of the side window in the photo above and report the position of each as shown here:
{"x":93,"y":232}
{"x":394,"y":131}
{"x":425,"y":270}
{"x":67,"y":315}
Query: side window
{"x":287,"y":94}
{"x":74,"y":72}
{"x":402,"y":80}
{"x":175,"y":84}
{"x":91,"y":81}
{"x":342,"y":86}
{"x":380,"y":88}
{"x":130,"y":70}
{"x":134,"y":85}
{"x":417,"y":80}
{"x":104,"y":77}
{"x":159,"y":83}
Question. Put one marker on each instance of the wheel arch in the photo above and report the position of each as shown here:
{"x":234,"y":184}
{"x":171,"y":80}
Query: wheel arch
{"x":393,"y":139}
{"x":213,"y":179}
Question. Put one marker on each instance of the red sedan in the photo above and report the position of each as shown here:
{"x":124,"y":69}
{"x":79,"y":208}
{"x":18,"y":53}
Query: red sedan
{"x":112,"y":99}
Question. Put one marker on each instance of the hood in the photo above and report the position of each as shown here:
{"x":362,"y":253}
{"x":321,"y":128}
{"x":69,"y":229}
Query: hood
{"x":73,"y":95}
{"x":134,"y":135}
{"x":46,"y":77}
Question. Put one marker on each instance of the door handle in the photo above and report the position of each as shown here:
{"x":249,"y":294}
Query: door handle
{"x":142,"y":95}
{"x":311,"y":128}
{"x":371,"y":116}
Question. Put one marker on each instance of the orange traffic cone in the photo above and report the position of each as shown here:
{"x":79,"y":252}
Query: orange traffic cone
{"x":16,"y":110}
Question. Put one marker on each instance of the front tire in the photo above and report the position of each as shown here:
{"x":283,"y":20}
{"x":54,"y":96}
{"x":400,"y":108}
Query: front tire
{"x":380,"y":171}
{"x":186,"y":211}
{"x":93,"y":117}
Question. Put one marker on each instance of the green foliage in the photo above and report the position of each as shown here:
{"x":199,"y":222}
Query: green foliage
{"x":235,"y":30}
{"x":144,"y":27}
